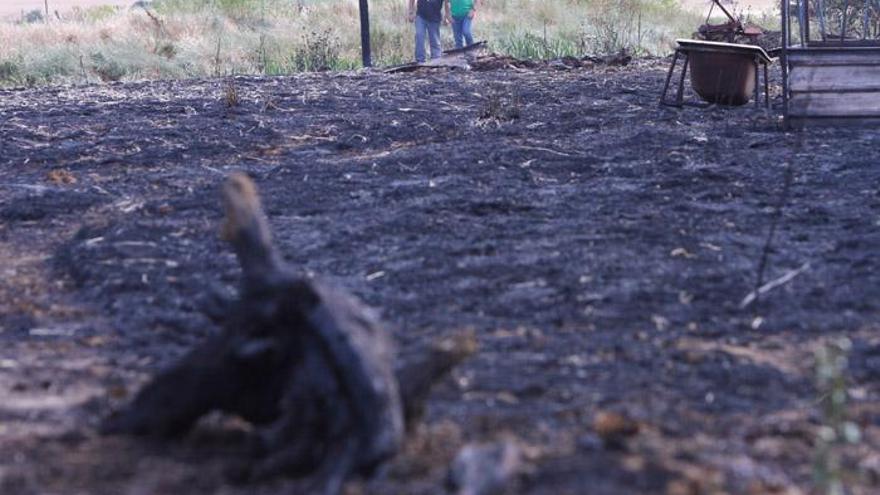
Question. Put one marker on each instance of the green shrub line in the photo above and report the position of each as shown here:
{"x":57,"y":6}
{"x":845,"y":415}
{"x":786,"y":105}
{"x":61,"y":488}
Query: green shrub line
{"x":171,"y":39}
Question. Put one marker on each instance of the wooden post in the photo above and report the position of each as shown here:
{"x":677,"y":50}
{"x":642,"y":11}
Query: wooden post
{"x":365,"y":33}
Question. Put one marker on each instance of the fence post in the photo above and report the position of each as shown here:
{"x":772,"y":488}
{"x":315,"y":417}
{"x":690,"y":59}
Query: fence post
{"x":365,"y":33}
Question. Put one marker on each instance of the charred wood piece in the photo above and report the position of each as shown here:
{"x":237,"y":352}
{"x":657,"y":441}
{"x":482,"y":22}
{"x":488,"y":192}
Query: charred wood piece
{"x":419,"y":370}
{"x":458,"y":58}
{"x":306,"y":363}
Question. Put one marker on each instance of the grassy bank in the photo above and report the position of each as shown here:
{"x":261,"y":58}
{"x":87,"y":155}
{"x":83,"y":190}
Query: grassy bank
{"x":194,"y":38}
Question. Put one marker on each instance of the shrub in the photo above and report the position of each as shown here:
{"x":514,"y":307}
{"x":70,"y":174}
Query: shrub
{"x":9,"y":71}
{"x":317,"y":52}
{"x":107,"y":69}
{"x":33,"y":17}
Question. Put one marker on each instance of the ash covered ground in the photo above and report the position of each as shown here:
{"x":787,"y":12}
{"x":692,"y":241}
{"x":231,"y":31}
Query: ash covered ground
{"x":598,"y":245}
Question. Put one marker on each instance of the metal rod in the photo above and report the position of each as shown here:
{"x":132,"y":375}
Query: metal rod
{"x":786,"y":41}
{"x":844,"y":22}
{"x":877,"y":25}
{"x":757,"y":85}
{"x":807,"y":21}
{"x":801,"y":22}
{"x":820,"y":5}
{"x":365,"y":33}
{"x":766,"y":86}
{"x":876,"y":30}
{"x":728,"y":14}
{"x":669,"y":78}
{"x":680,"y":96}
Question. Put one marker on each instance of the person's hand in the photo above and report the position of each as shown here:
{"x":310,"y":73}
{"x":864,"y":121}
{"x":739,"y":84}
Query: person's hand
{"x":472,"y":13}
{"x":410,"y":16}
{"x":447,"y":21}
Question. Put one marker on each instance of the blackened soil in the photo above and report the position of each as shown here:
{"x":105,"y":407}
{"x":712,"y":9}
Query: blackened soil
{"x":599,"y":245}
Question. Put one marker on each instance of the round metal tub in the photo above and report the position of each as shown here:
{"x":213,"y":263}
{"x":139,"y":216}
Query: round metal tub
{"x":723,"y":73}
{"x":723,"y":78}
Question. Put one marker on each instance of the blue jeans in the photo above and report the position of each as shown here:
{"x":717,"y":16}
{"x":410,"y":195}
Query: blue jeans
{"x":432,"y":29}
{"x":461,"y":28}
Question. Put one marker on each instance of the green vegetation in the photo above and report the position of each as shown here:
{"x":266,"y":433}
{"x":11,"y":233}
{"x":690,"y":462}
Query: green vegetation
{"x":196,"y":38}
{"x":837,"y":432}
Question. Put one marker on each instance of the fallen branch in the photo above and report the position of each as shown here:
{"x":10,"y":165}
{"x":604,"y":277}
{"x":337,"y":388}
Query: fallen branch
{"x":778,"y":282}
{"x":547,"y":150}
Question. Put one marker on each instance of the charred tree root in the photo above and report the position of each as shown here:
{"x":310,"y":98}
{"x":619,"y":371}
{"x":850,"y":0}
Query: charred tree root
{"x":310,"y":366}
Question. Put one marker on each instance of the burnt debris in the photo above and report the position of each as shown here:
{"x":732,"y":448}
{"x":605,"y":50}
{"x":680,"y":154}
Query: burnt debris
{"x":732,"y":31}
{"x":307,"y":364}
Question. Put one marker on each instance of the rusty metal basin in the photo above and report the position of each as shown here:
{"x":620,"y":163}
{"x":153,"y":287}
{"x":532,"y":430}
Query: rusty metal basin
{"x":723,"y":78}
{"x":724,"y":73}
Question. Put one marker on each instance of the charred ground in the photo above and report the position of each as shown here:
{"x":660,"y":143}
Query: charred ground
{"x":598,"y":244}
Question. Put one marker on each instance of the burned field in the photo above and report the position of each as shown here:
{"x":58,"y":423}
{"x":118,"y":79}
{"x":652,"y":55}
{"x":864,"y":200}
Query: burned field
{"x":598,"y":246}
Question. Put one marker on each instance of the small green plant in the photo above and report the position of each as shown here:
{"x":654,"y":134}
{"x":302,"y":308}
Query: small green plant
{"x":108,"y":69}
{"x":319,"y":51}
{"x":49,"y":65}
{"x":9,"y":71}
{"x":836,"y":431}
{"x":167,"y":50}
{"x":534,"y":47}
{"x":615,"y":25}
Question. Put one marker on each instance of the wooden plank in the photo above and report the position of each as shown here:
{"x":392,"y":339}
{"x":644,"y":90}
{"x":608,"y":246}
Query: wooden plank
{"x":452,"y":59}
{"x":862,"y":104}
{"x":834,"y":56}
{"x":862,"y":122}
{"x":835,"y":78}
{"x":845,"y":44}
{"x":832,"y":50}
{"x":835,"y":63}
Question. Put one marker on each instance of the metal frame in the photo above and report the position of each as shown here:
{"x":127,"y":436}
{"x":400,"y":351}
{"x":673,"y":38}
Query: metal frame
{"x":679,"y":99}
{"x":827,"y":51}
{"x":805,"y":24}
{"x":783,"y":56}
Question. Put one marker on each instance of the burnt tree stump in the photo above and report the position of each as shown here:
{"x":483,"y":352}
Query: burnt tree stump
{"x":311,"y":367}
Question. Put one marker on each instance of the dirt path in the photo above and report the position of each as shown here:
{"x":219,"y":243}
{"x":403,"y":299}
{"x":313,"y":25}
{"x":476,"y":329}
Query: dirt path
{"x":598,"y":244}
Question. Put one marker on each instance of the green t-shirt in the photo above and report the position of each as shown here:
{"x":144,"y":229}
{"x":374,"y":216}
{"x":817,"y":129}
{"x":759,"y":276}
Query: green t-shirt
{"x":461,"y":8}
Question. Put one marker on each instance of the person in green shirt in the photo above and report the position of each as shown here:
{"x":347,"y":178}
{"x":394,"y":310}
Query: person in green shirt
{"x":463,"y":12}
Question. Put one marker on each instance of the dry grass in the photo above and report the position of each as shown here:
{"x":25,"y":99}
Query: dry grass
{"x":196,"y":38}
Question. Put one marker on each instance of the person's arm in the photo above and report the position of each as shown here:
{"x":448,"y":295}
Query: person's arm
{"x":411,"y":10}
{"x":448,"y":17}
{"x":476,"y":6}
